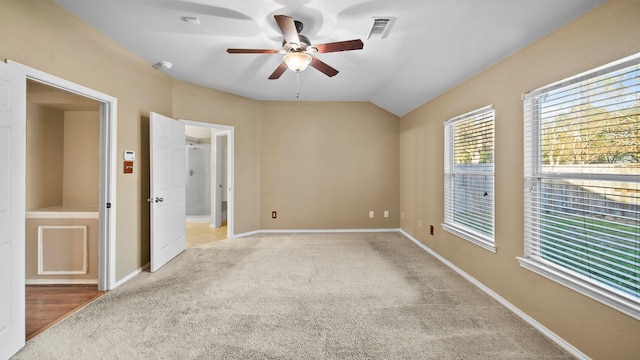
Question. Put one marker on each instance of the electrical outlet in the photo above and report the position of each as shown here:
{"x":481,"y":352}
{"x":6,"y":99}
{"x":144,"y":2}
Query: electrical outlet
{"x":402,"y":215}
{"x":431,"y":230}
{"x":371,"y":214}
{"x":419,"y":223}
{"x":274,"y":214}
{"x":386,"y":213}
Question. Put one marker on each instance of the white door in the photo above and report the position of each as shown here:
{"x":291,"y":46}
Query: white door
{"x":168,"y":193}
{"x":13,"y":95}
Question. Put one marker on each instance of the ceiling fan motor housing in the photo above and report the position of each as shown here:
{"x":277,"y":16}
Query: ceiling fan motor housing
{"x":290,"y":47}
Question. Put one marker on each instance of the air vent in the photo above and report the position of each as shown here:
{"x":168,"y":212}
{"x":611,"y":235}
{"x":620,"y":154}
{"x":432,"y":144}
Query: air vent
{"x":191,"y":20}
{"x":380,"y":27}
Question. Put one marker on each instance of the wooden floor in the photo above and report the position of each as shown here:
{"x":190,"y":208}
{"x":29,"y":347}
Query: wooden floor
{"x":201,"y":233}
{"x":48,"y":304}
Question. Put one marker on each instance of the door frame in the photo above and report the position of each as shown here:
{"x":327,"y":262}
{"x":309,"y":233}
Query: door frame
{"x":12,"y":250}
{"x":229,"y":131}
{"x":217,"y":179}
{"x":107,"y":168}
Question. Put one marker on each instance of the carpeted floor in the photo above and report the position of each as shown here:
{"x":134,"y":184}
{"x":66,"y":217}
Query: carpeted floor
{"x":296,"y":296}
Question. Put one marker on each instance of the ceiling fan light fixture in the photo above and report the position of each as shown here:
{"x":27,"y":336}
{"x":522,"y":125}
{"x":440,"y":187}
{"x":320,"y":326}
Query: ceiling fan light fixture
{"x":297,"y":50}
{"x":297,"y":61}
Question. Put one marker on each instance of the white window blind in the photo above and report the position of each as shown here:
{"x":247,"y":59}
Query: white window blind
{"x":469,"y":143}
{"x":582,"y":183}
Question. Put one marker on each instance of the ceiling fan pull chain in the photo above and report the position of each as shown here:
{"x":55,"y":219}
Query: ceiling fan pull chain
{"x":298,"y":85}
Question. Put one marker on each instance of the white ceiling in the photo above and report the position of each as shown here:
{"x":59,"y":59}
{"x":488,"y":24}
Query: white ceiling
{"x":433,"y":44}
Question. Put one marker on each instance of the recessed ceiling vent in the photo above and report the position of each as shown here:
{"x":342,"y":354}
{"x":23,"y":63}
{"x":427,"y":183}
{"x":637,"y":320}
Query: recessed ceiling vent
{"x":380,"y":27}
{"x":193,"y":20}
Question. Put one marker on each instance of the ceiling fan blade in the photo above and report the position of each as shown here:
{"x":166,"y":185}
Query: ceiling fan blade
{"x":288,"y":28}
{"x":340,"y":46}
{"x":323,"y":67}
{"x":252,"y":51}
{"x":278,"y":72}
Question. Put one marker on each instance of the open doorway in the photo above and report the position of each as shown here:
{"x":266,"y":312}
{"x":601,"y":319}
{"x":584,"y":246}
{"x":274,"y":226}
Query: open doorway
{"x":207,"y":177}
{"x":14,"y":118}
{"x":106,"y":163}
{"x":69,"y":182}
{"x":61,"y":203}
{"x":198,"y":174}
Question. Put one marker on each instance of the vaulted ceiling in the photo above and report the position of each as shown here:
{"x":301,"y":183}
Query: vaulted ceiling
{"x":431,"y":46}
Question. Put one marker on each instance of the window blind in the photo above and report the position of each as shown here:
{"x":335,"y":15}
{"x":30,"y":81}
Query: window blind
{"x":469,"y":174}
{"x":582,"y":183}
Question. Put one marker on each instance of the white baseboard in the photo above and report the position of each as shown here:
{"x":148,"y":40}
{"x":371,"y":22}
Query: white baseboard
{"x":61,"y":281}
{"x":130,"y":276}
{"x":255,"y":232}
{"x":531,"y":321}
{"x":312,"y":231}
{"x":195,"y":218}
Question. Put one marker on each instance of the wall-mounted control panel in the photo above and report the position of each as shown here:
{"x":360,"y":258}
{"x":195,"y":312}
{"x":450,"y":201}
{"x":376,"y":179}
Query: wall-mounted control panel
{"x":129,"y":156}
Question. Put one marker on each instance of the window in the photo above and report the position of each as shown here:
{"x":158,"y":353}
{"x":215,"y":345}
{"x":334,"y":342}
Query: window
{"x":582,"y":184}
{"x":468,"y":176}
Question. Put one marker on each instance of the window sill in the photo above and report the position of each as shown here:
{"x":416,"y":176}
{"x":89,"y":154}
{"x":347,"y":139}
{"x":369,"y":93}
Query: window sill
{"x":609,"y":298}
{"x":471,"y":237}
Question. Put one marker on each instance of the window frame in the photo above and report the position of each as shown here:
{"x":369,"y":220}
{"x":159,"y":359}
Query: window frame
{"x":534,"y":175}
{"x":450,"y":225}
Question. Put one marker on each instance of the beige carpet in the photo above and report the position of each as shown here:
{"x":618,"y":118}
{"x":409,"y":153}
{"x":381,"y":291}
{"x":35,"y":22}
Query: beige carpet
{"x":304,"y":296}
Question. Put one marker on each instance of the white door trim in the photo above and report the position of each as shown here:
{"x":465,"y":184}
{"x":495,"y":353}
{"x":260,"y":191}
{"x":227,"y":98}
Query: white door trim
{"x":108,"y":146}
{"x":217,"y":181}
{"x":228,"y":130}
{"x":12,"y":207}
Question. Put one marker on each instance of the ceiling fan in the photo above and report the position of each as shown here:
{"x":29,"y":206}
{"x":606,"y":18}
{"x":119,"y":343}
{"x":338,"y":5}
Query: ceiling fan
{"x":298,"y":51}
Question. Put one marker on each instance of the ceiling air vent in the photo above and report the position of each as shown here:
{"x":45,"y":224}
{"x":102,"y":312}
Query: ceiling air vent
{"x":380,"y":27}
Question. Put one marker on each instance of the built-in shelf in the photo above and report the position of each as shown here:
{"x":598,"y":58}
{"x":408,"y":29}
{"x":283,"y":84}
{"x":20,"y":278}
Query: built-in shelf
{"x":64,"y":211}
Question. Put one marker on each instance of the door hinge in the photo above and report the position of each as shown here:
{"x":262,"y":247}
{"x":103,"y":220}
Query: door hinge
{"x":108,"y":205}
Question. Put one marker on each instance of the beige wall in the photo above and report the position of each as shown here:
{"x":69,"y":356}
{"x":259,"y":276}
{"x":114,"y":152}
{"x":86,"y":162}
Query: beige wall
{"x":44,"y":156}
{"x":62,"y":156}
{"x":326,"y":165}
{"x":39,"y":34}
{"x":350,"y":149}
{"x":69,"y":257}
{"x":81,"y":158}
{"x":604,"y":35}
